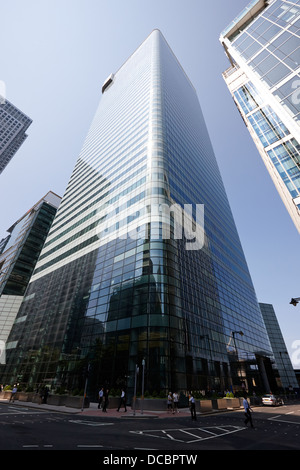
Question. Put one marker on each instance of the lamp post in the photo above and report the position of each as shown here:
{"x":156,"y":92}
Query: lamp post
{"x":135,"y":380}
{"x":233,"y":336}
{"x":233,"y":333}
{"x":285,"y":372}
{"x":210,"y":355}
{"x":85,"y":386}
{"x":143,"y":380}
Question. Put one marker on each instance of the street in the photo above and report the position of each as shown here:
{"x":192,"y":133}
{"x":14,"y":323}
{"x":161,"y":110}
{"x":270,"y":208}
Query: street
{"x":25,"y":428}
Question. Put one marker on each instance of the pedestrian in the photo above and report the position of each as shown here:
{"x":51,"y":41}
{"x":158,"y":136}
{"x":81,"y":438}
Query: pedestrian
{"x":175,"y":402}
{"x":13,"y":393}
{"x":106,"y":401}
{"x":46,"y":393}
{"x":122,"y":400}
{"x":248,"y":411}
{"x":169,"y":402}
{"x":41,"y":394}
{"x":100,"y":398}
{"x":193,"y":407}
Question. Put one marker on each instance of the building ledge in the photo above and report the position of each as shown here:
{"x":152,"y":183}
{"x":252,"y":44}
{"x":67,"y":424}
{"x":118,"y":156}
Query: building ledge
{"x":246,"y":15}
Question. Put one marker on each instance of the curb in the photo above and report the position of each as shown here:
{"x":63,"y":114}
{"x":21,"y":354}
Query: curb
{"x":93,"y":411}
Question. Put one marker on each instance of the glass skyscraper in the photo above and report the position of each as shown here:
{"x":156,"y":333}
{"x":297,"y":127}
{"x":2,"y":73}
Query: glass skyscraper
{"x":13,"y":126}
{"x":263,"y":47}
{"x":287,"y":377}
{"x":116,"y":283}
{"x":19,"y":252}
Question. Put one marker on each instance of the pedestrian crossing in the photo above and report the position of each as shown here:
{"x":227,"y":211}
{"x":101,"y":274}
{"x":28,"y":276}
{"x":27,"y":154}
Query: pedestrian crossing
{"x":191,"y":435}
{"x":13,"y":415}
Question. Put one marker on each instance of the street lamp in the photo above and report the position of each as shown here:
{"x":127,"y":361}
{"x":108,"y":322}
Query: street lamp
{"x":87,"y":371}
{"x":233,"y":336}
{"x":236,"y":352}
{"x":284,"y":352}
{"x":210,"y":383}
{"x":137,"y":369}
{"x":143,"y":381}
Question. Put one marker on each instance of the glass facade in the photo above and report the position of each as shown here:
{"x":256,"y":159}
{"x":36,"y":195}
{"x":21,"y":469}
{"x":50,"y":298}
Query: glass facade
{"x":270,"y":46}
{"x":23,"y":245}
{"x":13,"y":126}
{"x":110,"y":287}
{"x":287,"y":378}
{"x":265,"y":81}
{"x":19,"y":255}
{"x":269,"y":130}
{"x":21,"y":266}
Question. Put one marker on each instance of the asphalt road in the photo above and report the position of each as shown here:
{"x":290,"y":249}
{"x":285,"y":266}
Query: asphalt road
{"x":27,"y":429}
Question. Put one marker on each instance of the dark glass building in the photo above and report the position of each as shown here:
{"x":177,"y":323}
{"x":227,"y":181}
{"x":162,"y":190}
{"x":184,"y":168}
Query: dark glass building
{"x":287,"y":378}
{"x":19,"y":252}
{"x":119,"y":280}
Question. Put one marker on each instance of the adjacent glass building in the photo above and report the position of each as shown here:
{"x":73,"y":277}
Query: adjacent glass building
{"x":263,"y":47}
{"x":19,"y":252}
{"x":286,"y":375}
{"x":116,"y":283}
{"x":13,"y":126}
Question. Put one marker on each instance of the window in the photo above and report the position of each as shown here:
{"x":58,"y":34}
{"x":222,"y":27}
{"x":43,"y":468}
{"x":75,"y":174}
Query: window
{"x":267,"y":126}
{"x":247,"y":98}
{"x":251,"y":50}
{"x":276,"y":74}
{"x":267,"y":64}
{"x":269,"y":33}
{"x":290,"y":87}
{"x":290,"y":45}
{"x":286,"y":160}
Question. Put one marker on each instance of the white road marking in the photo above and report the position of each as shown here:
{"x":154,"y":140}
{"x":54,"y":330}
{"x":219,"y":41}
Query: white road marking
{"x":88,"y":445}
{"x":171,"y":437}
{"x":275,"y":418}
{"x":166,"y":434}
{"x":36,"y":445}
{"x":89,"y":423}
{"x":17,"y":408}
{"x":21,"y":412}
{"x":143,"y":448}
{"x":191,"y":434}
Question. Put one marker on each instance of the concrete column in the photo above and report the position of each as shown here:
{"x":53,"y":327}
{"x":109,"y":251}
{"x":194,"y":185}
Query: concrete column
{"x":264,"y":376}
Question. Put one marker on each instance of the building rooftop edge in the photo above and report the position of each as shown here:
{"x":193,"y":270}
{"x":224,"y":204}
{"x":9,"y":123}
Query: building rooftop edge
{"x":248,"y":13}
{"x":154,"y":30}
{"x":9,"y":230}
{"x":5,"y":100}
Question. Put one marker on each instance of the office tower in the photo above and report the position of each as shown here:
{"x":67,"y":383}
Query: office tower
{"x":263,"y":47}
{"x":287,"y":377}
{"x":19,"y":256}
{"x":13,"y":126}
{"x":113,"y":289}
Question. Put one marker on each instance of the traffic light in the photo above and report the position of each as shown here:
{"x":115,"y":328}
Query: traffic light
{"x":294,"y":302}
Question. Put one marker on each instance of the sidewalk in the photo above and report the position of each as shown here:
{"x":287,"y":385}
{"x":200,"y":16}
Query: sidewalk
{"x":113,"y":413}
{"x":94,"y":411}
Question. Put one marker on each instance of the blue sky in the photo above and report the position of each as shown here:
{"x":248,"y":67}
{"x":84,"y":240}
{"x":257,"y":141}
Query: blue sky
{"x":55,"y":56}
